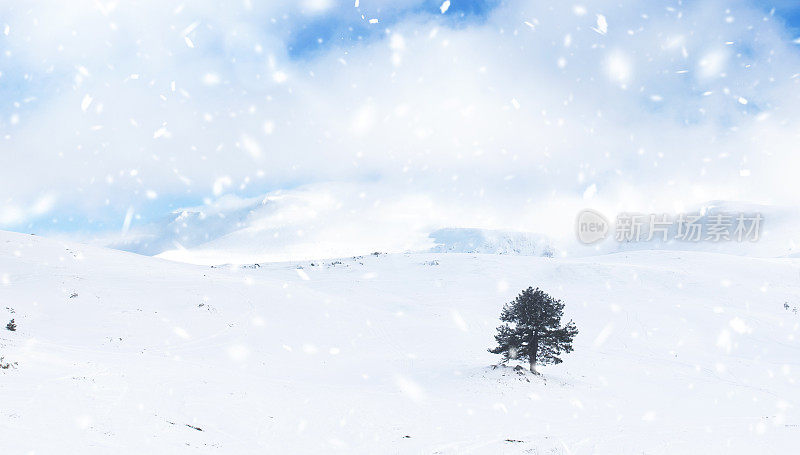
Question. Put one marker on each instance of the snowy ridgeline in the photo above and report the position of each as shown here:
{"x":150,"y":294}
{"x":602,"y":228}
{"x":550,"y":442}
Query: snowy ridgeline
{"x":193,"y":226}
{"x":485,"y":241}
{"x":778,"y":234}
{"x":289,"y":226}
{"x":310,"y":224}
{"x":678,"y":352}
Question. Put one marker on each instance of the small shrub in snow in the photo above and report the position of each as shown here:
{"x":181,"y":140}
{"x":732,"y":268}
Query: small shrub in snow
{"x":6,"y":365}
{"x":11,"y":326}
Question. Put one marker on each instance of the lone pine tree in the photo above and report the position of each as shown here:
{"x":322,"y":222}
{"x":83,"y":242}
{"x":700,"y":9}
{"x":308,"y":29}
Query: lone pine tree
{"x":533,"y":331}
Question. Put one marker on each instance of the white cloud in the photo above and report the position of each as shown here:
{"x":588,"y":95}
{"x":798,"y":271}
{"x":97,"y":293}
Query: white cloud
{"x":251,"y":147}
{"x":619,"y":67}
{"x":317,"y":6}
{"x":211,"y":79}
{"x":436,"y":119}
{"x":220,"y":184}
{"x":713,"y":63}
{"x":279,"y":77}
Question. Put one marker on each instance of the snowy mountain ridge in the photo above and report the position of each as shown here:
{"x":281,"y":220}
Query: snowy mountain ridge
{"x":490,"y":241}
{"x":312,"y":223}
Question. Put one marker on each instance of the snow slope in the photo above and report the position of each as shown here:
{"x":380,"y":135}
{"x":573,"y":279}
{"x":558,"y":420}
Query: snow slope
{"x":487,"y":241}
{"x":303,"y":223}
{"x":314,"y":222}
{"x":678,"y":352}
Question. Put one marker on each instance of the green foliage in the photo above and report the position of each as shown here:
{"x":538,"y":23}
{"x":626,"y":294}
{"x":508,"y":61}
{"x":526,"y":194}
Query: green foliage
{"x":533,"y":331}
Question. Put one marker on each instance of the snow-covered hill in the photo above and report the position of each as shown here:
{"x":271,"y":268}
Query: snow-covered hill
{"x":778,"y":235}
{"x":303,"y":223}
{"x":678,"y":352}
{"x":487,"y":241}
{"x":316,"y":221}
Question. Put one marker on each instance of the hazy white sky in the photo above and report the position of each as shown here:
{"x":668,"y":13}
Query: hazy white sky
{"x":498,"y":114}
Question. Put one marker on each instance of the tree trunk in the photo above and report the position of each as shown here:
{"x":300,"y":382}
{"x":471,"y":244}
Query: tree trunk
{"x":532,"y":356}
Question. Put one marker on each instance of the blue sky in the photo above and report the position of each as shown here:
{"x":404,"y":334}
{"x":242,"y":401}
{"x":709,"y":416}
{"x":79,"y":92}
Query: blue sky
{"x":788,"y":10}
{"x":305,"y":38}
{"x":310,"y":37}
{"x":161,"y":106}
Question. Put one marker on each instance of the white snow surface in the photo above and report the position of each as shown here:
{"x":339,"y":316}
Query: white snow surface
{"x":678,"y":352}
